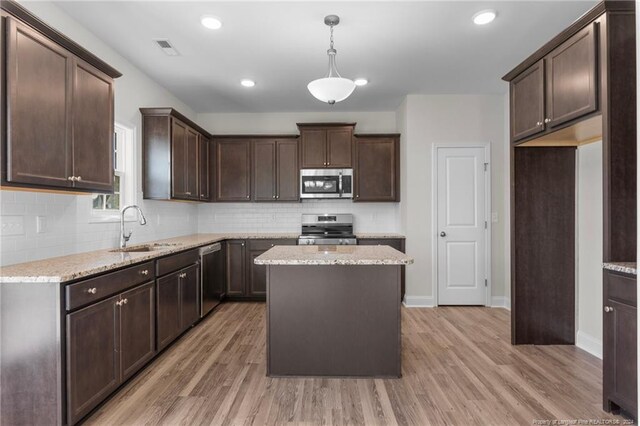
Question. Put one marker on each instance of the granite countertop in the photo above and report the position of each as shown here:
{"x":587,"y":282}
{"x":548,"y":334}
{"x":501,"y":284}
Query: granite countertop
{"x":72,"y":267}
{"x":333,"y":255}
{"x":624,"y":267}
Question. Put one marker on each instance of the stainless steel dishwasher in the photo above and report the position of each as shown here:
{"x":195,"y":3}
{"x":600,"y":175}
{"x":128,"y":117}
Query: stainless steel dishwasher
{"x":212,"y":285}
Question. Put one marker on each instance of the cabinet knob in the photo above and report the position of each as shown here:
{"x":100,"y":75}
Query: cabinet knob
{"x":202,"y":195}
{"x":182,"y":275}
{"x":547,"y":120}
{"x":144,"y":272}
{"x":92,"y":290}
{"x":274,"y":196}
{"x":78,"y":178}
{"x":188,"y":193}
{"x":277,"y":196}
{"x":357,"y":196}
{"x":539,"y":123}
{"x":242,"y":244}
{"x":247,"y":197}
{"x":71,"y":178}
{"x":124,"y":301}
{"x":119,"y":303}
{"x":608,"y":309}
{"x":273,"y":245}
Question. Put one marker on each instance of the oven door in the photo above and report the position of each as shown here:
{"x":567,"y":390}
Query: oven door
{"x":325,"y":183}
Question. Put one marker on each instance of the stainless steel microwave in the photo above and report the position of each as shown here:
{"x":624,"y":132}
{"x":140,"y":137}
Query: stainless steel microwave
{"x":326,"y":183}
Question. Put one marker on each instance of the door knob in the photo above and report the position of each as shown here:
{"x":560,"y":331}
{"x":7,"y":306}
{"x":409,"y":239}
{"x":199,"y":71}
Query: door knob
{"x":443,"y":234}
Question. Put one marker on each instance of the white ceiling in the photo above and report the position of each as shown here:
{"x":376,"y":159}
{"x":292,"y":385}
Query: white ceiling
{"x":401,"y":47}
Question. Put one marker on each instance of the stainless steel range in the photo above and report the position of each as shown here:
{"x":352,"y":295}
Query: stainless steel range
{"x":327,"y":229}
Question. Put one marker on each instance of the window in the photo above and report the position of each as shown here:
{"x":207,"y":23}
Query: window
{"x":107,"y":206}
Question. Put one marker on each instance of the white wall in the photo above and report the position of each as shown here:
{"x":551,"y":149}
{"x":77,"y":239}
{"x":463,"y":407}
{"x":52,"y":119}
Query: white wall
{"x":67,"y":216}
{"x":589,"y":248}
{"x":441,"y":119}
{"x":285,"y":217}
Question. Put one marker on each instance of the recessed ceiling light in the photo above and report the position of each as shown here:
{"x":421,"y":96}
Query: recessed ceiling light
{"x":247,"y":83}
{"x":360,"y":81}
{"x":484,"y":17}
{"x":211,"y":22}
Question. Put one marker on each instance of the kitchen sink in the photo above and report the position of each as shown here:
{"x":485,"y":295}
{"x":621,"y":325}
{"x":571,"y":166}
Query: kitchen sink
{"x":146,"y":247}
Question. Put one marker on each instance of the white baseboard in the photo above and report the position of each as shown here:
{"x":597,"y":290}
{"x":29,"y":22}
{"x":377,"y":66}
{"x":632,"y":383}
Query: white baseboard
{"x":501,"y":302}
{"x":418,"y":301}
{"x":589,"y":343}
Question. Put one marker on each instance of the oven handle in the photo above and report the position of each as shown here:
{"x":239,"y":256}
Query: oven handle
{"x":340,"y":184}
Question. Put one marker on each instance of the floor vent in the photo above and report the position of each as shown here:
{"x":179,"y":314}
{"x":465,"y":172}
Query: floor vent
{"x":166,"y":46}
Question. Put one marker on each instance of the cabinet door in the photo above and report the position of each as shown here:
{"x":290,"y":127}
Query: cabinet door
{"x":257,"y":274}
{"x":620,"y":355}
{"x":137,"y":328}
{"x":189,"y":296}
{"x":376,"y":169}
{"x":39,"y":88}
{"x":168,"y":309}
{"x":92,"y":128}
{"x":527,"y":102}
{"x":572,"y":86}
{"x":264,"y":170}
{"x":233,"y":170}
{"x":93,"y":362}
{"x":178,"y":159}
{"x":204,"y":163}
{"x":339,"y":147}
{"x":236,"y":261}
{"x":192,"y":166}
{"x":287,"y":171}
{"x":313,"y":148}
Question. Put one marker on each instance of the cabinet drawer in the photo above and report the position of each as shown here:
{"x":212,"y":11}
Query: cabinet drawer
{"x":93,"y":289}
{"x":621,"y":288}
{"x":267,"y":244}
{"x":170,"y":264}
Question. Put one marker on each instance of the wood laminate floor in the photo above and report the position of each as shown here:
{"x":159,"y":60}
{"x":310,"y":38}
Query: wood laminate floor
{"x":459,"y":368}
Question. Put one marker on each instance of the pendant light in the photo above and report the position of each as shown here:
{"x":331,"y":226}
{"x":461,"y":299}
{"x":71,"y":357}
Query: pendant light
{"x":332,"y":88}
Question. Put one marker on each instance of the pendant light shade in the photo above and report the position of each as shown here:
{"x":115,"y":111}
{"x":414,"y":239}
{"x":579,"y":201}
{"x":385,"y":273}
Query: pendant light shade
{"x":332,"y":88}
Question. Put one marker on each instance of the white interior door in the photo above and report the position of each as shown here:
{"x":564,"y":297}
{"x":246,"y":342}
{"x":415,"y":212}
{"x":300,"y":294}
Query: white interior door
{"x":461,"y":226}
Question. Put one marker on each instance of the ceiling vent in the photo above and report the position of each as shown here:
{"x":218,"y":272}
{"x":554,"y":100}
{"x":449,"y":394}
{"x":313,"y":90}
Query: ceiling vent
{"x":166,"y":46}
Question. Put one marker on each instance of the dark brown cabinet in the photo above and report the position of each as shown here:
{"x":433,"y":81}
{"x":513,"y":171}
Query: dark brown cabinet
{"x":527,"y":102}
{"x":59,"y":115}
{"x":377,"y":168}
{"x":246,"y":280}
{"x":177,"y":303}
{"x":326,"y":145}
{"x":275,"y":170}
{"x":204,"y":161}
{"x":257,"y":274}
{"x":236,"y":267}
{"x":233,"y":169}
{"x":557,"y":89}
{"x":168,"y":134}
{"x":571,"y":83}
{"x":620,"y":368}
{"x":107,"y":342}
{"x":396,"y":243}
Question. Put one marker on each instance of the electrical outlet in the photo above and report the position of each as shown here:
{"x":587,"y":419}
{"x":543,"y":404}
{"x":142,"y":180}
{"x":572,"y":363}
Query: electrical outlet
{"x":12,"y":225}
{"x":41,"y":224}
{"x":494,"y":217}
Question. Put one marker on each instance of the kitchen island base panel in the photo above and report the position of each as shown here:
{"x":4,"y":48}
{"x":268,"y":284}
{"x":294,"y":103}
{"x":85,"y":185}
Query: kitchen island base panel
{"x":333,"y":320}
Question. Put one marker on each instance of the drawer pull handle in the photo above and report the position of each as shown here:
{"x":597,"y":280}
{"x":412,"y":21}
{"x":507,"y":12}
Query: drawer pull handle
{"x":92,"y":290}
{"x":608,"y":309}
{"x":144,"y":272}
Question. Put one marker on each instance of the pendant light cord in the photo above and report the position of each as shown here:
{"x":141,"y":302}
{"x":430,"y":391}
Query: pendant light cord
{"x":331,"y":38}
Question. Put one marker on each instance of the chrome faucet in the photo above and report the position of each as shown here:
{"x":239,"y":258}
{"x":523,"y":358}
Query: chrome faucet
{"x":143,"y":221}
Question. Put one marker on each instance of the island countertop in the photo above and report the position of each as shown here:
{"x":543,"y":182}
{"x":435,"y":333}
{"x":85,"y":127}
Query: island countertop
{"x":333,"y":255}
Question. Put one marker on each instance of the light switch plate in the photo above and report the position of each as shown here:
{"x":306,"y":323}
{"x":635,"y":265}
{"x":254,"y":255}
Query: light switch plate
{"x":12,"y":225}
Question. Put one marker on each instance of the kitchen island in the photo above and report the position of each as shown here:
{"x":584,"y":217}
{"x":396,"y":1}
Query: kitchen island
{"x":333,"y":310}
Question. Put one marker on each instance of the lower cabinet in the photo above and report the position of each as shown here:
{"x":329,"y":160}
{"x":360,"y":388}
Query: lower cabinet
{"x":177,"y":303}
{"x":107,"y":342}
{"x":619,"y":366}
{"x":245,"y":280}
{"x":396,"y":243}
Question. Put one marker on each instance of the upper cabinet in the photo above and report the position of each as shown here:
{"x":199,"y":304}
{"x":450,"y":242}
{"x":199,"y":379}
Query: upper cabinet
{"x":167,"y":134}
{"x":326,"y":145}
{"x":377,"y":167}
{"x":233,"y":169}
{"x":275,"y":169}
{"x":58,"y":118}
{"x":558,"y":89}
